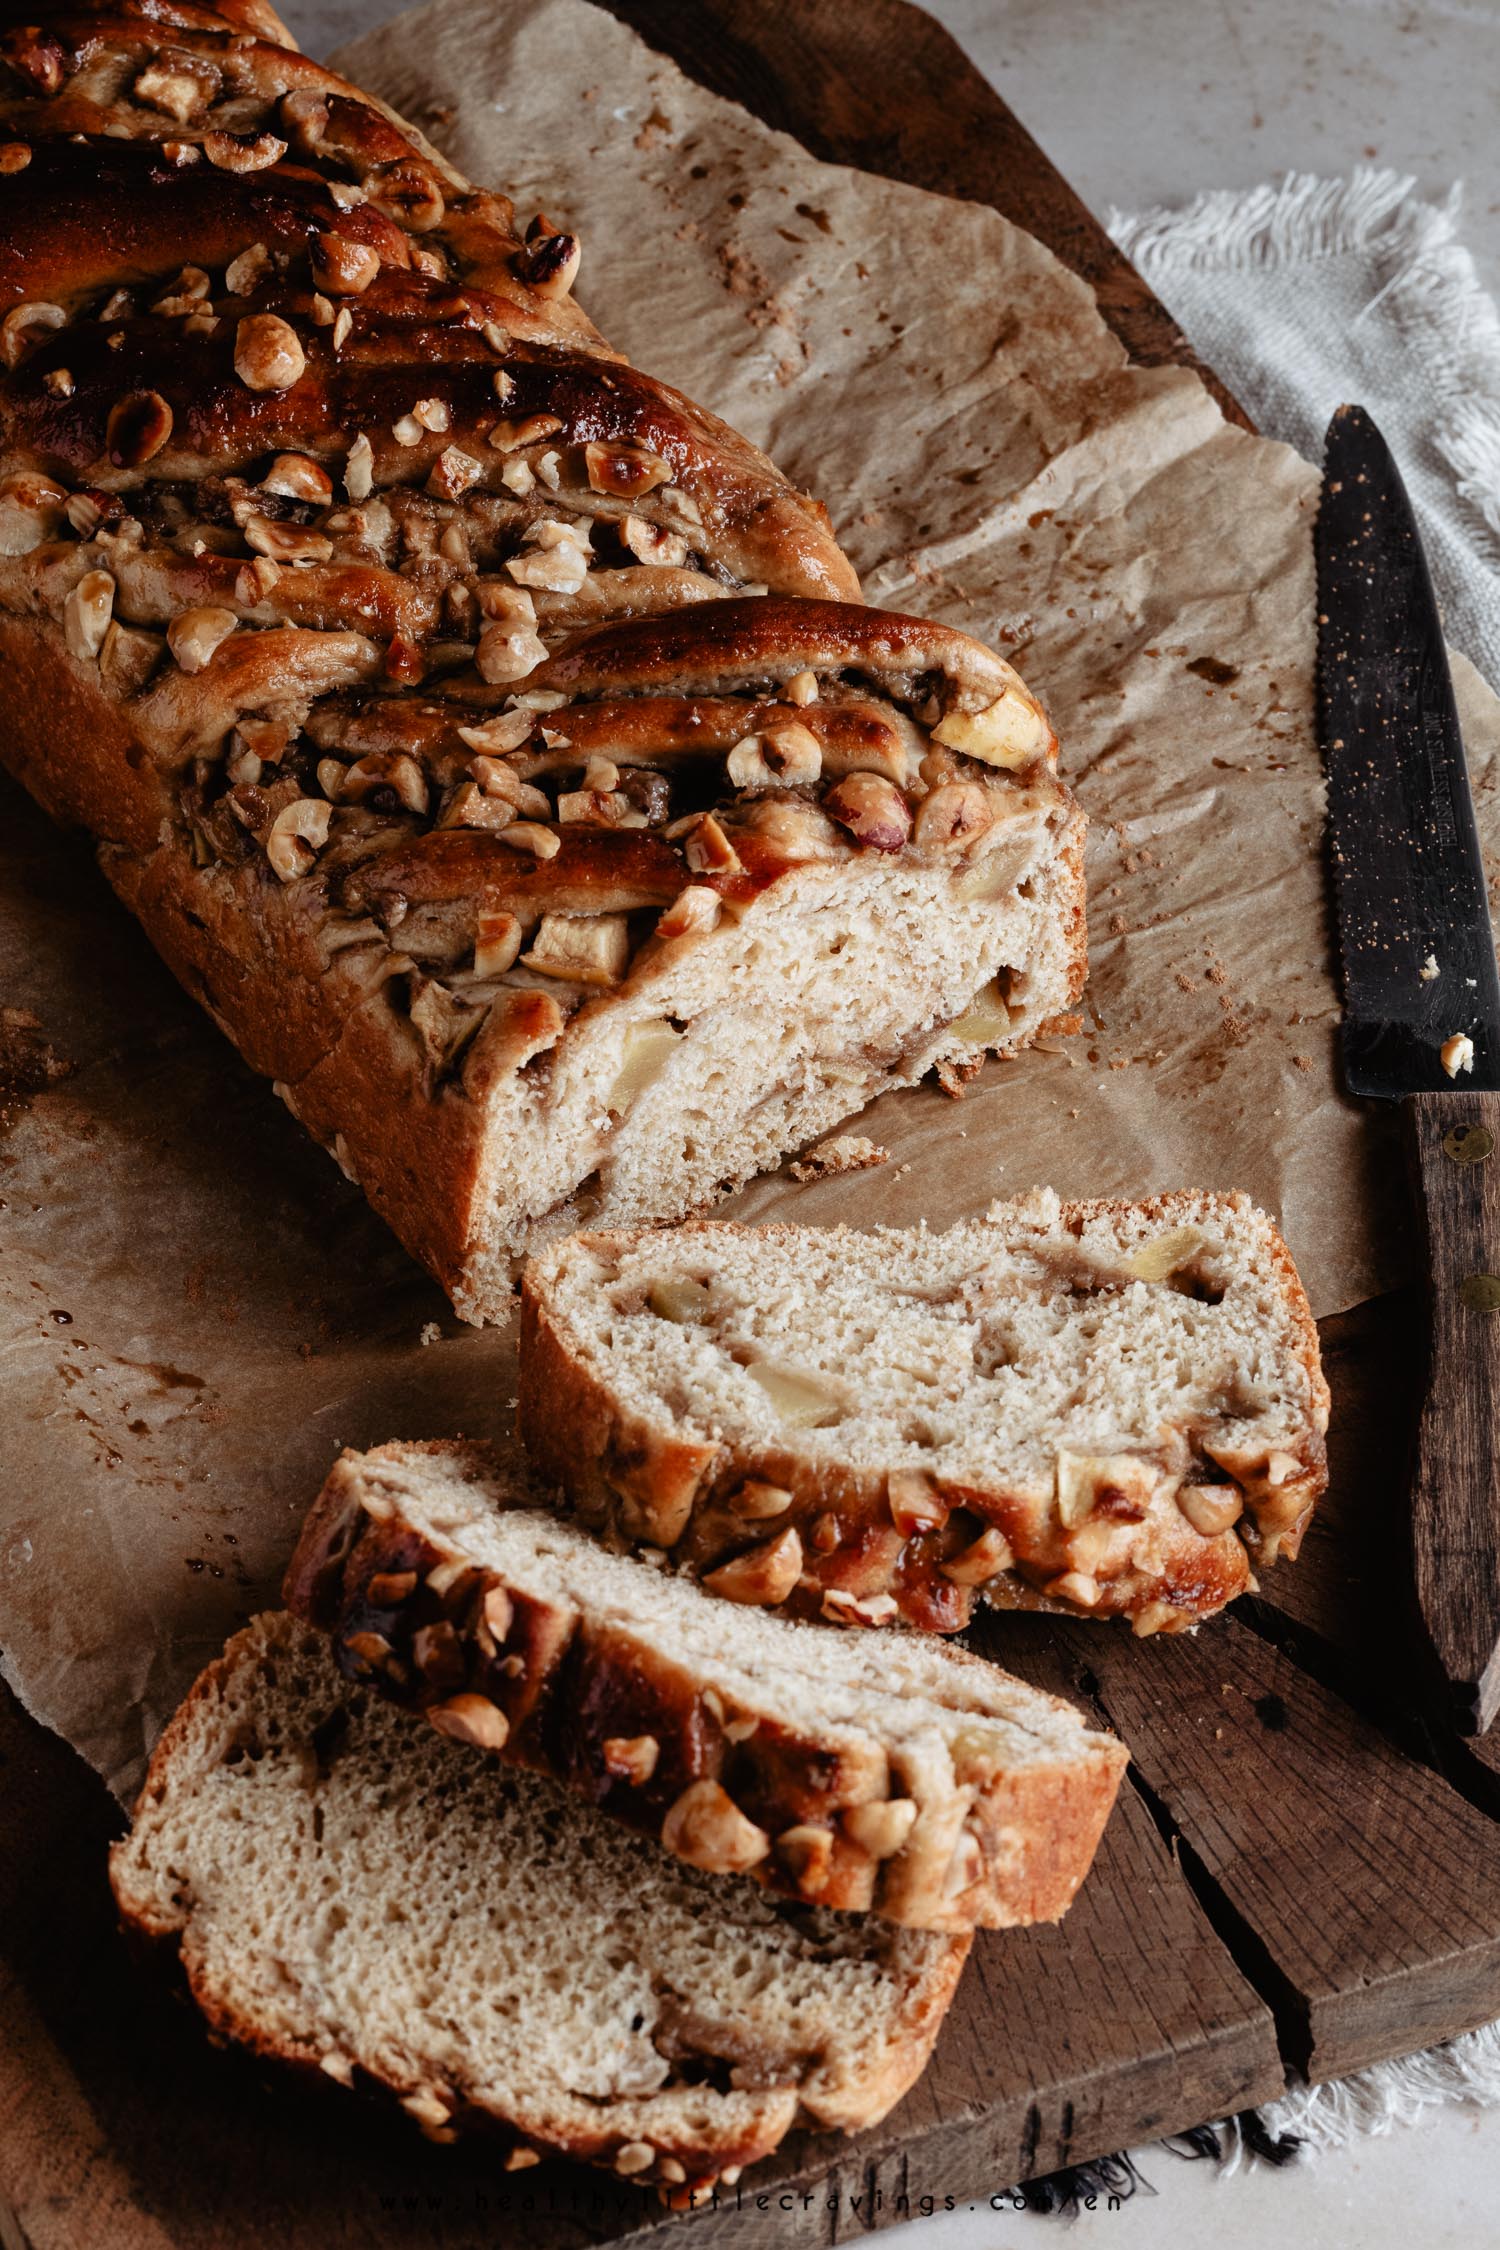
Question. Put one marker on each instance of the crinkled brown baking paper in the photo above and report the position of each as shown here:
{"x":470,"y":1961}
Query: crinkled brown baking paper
{"x":197,"y":1310}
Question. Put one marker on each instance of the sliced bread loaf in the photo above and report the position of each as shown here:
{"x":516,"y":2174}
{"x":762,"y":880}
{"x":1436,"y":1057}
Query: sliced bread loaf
{"x":912,"y":1778}
{"x":350,"y":1893}
{"x":1104,"y":1407}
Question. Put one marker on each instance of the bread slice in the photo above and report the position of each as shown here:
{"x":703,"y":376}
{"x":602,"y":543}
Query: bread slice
{"x":1107,"y":1408}
{"x":349,"y":1893}
{"x":915,"y":1779}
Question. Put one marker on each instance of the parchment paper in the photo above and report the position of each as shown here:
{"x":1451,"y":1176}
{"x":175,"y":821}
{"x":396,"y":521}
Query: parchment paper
{"x":196,"y":1310}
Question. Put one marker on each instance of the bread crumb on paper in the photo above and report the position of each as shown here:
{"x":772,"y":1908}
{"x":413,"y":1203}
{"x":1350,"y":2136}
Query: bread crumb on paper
{"x":845,"y":1152}
{"x":430,"y":1333}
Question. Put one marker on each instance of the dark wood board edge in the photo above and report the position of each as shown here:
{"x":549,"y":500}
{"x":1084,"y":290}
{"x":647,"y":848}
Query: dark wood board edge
{"x":1285,"y":1807}
{"x":882,"y":86}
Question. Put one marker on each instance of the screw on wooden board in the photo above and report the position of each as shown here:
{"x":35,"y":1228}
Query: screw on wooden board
{"x":1480,"y":1292}
{"x":1468,"y":1144}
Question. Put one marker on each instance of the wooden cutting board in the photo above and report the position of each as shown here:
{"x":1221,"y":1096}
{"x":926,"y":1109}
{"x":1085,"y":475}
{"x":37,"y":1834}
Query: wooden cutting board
{"x":1297,"y":1876}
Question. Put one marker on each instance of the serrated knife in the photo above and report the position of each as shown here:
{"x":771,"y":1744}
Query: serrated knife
{"x":1421,"y":1019}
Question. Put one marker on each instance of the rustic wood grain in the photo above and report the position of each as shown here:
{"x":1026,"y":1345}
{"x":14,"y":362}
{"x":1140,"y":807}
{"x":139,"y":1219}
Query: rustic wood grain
{"x":1455,"y":1485}
{"x":879,"y":85}
{"x":1357,"y":1887}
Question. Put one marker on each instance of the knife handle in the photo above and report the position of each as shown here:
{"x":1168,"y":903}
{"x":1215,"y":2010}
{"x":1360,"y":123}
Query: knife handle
{"x":1454,"y":1144}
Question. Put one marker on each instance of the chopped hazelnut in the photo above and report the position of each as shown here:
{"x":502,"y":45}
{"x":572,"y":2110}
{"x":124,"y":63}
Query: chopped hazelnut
{"x":953,"y":816}
{"x":394,"y":770}
{"x":764,"y":1575}
{"x":558,"y":562}
{"x":872,"y":809}
{"x":291,"y":543}
{"x":984,"y":1558}
{"x":359,"y":468}
{"x":914,"y":1503}
{"x":86,"y":614}
{"x":508,"y":652}
{"x":343,"y":267}
{"x":708,"y":850}
{"x":806,"y":1852}
{"x":245,"y":273}
{"x":851,"y":1609}
{"x":508,"y":730}
{"x":294,"y":476}
{"x":256,"y":581}
{"x":16,"y":330}
{"x":473,"y":1719}
{"x":178,"y":91}
{"x":509,"y":437}
{"x":781,"y":757}
{"x":880,"y":1828}
{"x":406,"y":191}
{"x":757,"y":1502}
{"x":706,"y":1828}
{"x":297,"y":835}
{"x":139,"y":426}
{"x":651,"y":543}
{"x":268,"y":354}
{"x":194,"y":634}
{"x":469,"y":807}
{"x":549,"y":263}
{"x":526,"y":836}
{"x":631,"y":1758}
{"x":497,"y":779}
{"x":1211,"y":1508}
{"x":453,"y":472}
{"x":232,"y":152}
{"x":624,"y":470}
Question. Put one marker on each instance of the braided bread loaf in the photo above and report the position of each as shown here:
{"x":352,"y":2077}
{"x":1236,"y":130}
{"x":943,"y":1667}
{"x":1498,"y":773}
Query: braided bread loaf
{"x":492,"y":740}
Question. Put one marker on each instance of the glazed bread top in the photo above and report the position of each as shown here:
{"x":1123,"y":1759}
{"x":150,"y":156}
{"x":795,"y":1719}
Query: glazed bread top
{"x":214,"y":250}
{"x":449,"y":655}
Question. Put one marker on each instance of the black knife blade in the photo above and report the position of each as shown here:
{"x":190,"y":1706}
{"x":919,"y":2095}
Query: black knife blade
{"x":1408,"y":879}
{"x":1409,"y":897}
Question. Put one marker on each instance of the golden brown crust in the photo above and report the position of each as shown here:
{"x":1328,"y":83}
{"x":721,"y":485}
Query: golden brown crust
{"x":578,"y":1431}
{"x":576,"y":1691}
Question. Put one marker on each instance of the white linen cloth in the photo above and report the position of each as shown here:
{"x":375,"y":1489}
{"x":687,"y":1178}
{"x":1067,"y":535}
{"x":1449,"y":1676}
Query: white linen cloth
{"x":1311,"y":293}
